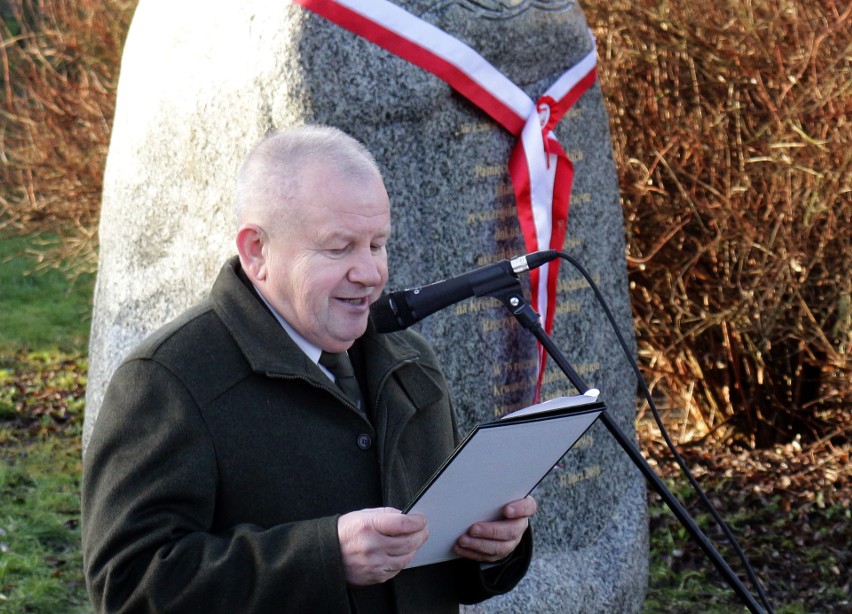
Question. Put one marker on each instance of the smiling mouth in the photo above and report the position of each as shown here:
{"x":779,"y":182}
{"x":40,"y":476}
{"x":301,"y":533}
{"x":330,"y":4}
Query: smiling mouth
{"x":354,"y":301}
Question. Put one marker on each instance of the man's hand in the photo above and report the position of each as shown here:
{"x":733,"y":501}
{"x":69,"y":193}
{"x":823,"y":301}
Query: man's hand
{"x":489,"y":542}
{"x":377,"y":544}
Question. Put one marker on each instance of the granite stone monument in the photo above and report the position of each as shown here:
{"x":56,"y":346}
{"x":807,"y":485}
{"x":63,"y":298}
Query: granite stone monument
{"x":202,"y":81}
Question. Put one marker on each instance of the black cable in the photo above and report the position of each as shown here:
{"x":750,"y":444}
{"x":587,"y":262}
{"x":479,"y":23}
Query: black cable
{"x":752,"y":576}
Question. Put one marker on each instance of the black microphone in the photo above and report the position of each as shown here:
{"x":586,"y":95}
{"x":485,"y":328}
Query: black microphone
{"x":398,"y":310}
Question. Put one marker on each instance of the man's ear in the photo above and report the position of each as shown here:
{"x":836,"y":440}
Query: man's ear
{"x":252,"y":244}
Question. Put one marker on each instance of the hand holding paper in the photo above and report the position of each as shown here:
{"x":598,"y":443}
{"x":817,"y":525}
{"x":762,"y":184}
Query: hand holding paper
{"x":488,"y":542}
{"x":376,"y":544}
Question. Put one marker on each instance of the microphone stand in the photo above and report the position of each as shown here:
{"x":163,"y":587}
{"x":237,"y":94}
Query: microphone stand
{"x":511,"y":295}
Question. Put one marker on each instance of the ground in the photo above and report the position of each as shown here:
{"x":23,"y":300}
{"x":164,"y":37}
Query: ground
{"x":789,"y":506}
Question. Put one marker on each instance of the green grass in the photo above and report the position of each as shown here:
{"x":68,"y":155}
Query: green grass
{"x":44,"y":329}
{"x":794,"y":553}
{"x":41,"y":309}
{"x":40,"y":559}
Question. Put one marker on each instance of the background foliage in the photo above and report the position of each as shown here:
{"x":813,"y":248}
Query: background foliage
{"x":732,"y":132}
{"x":59,"y":64}
{"x":730,"y":125}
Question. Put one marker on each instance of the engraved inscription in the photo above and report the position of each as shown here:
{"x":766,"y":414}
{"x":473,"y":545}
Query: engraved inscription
{"x":523,"y":384}
{"x":503,"y":254}
{"x":490,"y":171}
{"x":503,"y":213}
{"x":506,"y":9}
{"x":572,"y":243}
{"x":506,"y":234}
{"x":584,"y":368}
{"x":580,"y":199}
{"x":568,"y":307}
{"x":577,"y":283}
{"x":514,"y":366}
{"x":500,"y":390}
{"x":474,"y":127}
{"x":476,"y":306}
{"x":499,"y":324}
{"x":572,"y":113}
{"x":502,"y":410}
{"x":587,"y":473}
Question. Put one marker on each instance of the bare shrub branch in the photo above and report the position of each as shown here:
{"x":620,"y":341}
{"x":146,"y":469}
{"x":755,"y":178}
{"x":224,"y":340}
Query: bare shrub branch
{"x":60,"y":62}
{"x":731,"y":129}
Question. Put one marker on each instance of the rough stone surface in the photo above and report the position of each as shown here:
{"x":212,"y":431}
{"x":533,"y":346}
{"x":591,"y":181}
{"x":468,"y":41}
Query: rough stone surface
{"x":202,"y":81}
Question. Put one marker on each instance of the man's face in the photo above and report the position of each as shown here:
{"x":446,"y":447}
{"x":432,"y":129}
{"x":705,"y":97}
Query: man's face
{"x":325,"y":271}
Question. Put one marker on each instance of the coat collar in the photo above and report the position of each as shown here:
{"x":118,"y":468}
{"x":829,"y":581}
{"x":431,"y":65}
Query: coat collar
{"x":270,"y":350}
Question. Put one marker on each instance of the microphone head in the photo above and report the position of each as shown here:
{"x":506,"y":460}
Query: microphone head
{"x":383,"y":315}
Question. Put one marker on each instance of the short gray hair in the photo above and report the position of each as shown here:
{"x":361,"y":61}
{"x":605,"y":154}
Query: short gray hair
{"x":272,"y":171}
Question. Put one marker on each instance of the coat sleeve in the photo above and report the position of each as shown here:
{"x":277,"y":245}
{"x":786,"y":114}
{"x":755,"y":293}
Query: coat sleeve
{"x":501,"y":578}
{"x":148,"y":507}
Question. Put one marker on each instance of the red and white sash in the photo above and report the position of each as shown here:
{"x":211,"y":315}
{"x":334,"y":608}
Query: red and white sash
{"x":540,"y":170}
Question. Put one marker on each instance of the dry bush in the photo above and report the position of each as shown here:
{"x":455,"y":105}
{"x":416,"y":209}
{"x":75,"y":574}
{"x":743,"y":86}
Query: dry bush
{"x":732,"y":133}
{"x":59,"y":64}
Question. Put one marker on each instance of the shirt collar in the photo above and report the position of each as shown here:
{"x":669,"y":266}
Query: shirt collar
{"x":312,"y":351}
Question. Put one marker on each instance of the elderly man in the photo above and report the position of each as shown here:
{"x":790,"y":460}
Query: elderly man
{"x":251,"y":456}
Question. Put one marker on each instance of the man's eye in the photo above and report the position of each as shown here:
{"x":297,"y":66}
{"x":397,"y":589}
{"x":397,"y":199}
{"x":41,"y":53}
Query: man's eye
{"x":377,"y":247}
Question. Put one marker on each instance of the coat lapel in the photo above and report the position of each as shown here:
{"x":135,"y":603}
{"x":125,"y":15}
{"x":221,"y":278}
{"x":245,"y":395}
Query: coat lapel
{"x":262,"y":340}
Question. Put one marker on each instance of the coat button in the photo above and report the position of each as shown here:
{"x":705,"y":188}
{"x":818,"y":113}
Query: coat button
{"x":365,"y":441}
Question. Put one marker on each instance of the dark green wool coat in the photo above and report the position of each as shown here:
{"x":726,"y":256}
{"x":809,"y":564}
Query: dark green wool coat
{"x":222,"y":458}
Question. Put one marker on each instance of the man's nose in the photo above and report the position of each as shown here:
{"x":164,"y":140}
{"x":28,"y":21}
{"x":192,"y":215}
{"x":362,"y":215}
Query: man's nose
{"x":367,"y":268}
